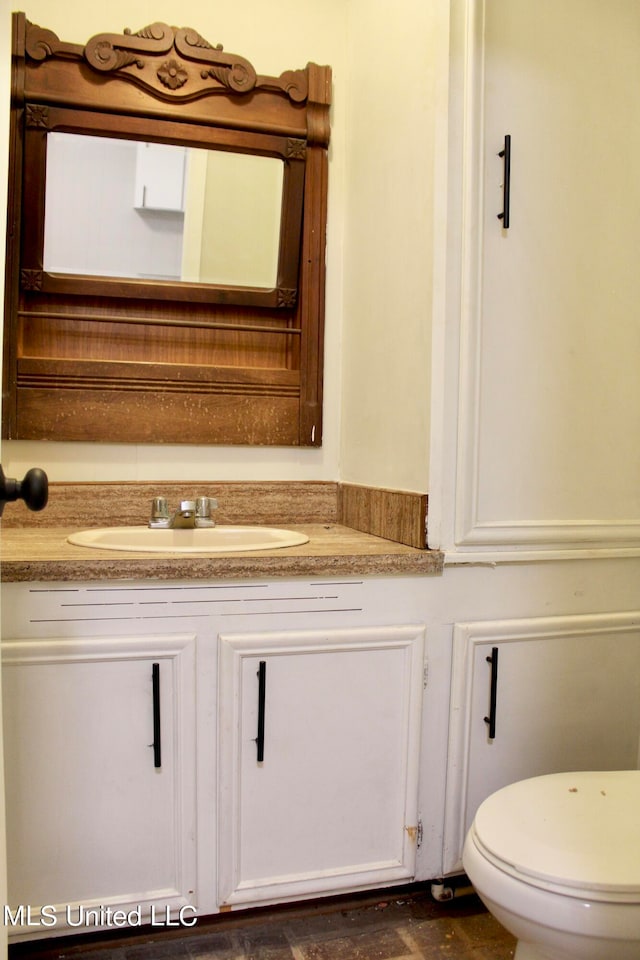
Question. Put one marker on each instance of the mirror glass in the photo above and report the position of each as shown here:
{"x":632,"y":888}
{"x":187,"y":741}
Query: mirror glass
{"x":155,"y":211}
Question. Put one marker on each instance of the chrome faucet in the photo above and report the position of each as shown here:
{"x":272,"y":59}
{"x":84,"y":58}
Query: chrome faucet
{"x":190,"y":514}
{"x":185,"y":515}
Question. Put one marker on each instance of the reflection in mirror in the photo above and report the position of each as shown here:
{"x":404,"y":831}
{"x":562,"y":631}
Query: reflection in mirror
{"x":125,"y":208}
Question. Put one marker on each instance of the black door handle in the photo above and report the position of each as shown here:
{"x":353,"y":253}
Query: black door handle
{"x":157,"y":744}
{"x":506,"y":183}
{"x":262,"y":691}
{"x":493,"y":695}
{"x":33,"y":489}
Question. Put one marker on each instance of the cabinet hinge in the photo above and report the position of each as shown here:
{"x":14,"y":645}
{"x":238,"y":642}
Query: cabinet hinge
{"x":425,"y":674}
{"x":415,"y":833}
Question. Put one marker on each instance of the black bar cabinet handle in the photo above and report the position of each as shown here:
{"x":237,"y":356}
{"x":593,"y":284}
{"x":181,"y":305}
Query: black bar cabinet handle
{"x":157,"y":747}
{"x":506,"y":182}
{"x":493,"y":696}
{"x":262,"y":690}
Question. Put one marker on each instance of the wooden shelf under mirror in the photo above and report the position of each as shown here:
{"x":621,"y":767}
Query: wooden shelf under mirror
{"x":214,"y":335}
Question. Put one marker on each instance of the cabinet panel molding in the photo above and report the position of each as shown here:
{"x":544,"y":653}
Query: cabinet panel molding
{"x":107,"y":827}
{"x":542,"y":463}
{"x":333,"y":804}
{"x":568,"y":698}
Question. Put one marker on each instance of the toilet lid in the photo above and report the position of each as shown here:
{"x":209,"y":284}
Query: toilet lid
{"x":572,"y":829}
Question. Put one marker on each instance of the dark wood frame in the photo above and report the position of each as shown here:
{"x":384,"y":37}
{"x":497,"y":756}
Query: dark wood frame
{"x":110,"y":359}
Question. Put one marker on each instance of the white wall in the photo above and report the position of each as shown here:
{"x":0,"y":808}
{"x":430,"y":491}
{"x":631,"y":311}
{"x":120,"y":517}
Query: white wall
{"x":380,"y":236}
{"x":392,"y":111}
{"x":274,"y":36}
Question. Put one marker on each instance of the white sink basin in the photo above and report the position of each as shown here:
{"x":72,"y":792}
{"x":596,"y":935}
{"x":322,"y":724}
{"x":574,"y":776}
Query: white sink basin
{"x":221,"y":539}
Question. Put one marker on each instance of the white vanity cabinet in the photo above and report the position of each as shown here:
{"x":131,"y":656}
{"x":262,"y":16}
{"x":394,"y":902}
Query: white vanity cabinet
{"x":99,"y":741}
{"x":333,"y":806}
{"x":566,"y":697}
{"x":319,"y":752}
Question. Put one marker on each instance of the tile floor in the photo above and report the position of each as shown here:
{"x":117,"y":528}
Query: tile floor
{"x":394,"y":925}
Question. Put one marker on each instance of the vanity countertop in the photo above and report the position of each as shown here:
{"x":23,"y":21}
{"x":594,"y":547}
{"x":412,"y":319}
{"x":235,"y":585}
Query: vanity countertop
{"x":43,"y":554}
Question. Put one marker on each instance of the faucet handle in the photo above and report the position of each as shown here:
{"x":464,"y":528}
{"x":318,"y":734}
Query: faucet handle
{"x":159,"y":513}
{"x":204,"y":507}
{"x":159,"y":508}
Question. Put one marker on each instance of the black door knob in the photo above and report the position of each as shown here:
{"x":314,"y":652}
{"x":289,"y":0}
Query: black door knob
{"x":33,"y":489}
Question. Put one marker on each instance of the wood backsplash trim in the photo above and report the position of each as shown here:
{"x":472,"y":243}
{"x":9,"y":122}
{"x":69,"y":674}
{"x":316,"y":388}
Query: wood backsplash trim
{"x":393,"y":514}
{"x":126,"y":503}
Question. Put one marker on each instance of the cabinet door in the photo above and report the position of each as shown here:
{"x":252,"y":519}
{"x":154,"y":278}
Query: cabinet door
{"x":100,"y":774}
{"x":549,"y":394}
{"x":160,"y":177}
{"x":567,"y":697}
{"x":332,"y":802}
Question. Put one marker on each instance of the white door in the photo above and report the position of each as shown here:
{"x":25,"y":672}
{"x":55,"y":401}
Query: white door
{"x":108,"y":723}
{"x":319,"y":741}
{"x":541,"y":385}
{"x":531,"y":697}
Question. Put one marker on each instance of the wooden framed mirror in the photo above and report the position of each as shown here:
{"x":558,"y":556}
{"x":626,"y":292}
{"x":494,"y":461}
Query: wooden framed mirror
{"x":215,"y":333}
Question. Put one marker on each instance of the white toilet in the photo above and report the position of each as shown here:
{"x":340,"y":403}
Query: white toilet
{"x":556,"y":859}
